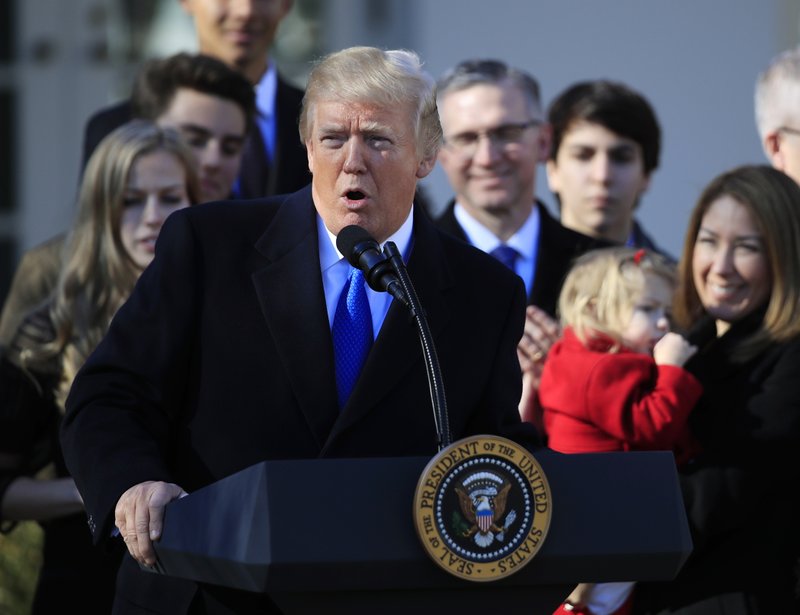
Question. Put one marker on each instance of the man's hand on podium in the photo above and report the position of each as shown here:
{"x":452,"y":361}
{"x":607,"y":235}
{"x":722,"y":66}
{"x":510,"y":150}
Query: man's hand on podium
{"x":139,"y":515}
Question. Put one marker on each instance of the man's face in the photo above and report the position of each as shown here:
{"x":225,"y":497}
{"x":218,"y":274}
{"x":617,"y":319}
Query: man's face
{"x":238,"y":32}
{"x":599,"y":177}
{"x":783,"y":148}
{"x":214,"y":128}
{"x":365,"y":166}
{"x":491,"y":151}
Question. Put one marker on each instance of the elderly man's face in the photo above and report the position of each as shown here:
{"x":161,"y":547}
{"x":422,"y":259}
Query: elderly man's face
{"x":365,"y":165}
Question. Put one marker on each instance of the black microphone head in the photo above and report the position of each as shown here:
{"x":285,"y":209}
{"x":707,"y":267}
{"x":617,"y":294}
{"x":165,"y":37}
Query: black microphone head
{"x":351,"y":237}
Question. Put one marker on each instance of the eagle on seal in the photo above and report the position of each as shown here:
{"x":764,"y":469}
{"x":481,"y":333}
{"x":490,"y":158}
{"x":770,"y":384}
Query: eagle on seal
{"x":482,"y":511}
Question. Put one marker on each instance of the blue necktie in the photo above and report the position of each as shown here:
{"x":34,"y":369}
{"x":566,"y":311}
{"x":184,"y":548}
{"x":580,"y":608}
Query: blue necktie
{"x":352,"y":334}
{"x":506,"y":255}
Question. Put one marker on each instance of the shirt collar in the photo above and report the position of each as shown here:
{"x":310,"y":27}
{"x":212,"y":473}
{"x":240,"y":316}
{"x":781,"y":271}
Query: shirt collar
{"x":265,"y":91}
{"x":523,"y":241}
{"x":330,"y":256}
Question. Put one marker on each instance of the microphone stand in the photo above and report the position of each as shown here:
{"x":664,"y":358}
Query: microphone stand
{"x":435,"y":385}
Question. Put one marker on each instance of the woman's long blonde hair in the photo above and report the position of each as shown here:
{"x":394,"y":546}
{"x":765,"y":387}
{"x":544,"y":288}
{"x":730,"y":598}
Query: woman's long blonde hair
{"x":602,"y":288}
{"x":98,"y":274}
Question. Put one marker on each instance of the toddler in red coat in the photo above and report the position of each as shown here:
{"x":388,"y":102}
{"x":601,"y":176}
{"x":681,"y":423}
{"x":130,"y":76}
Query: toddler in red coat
{"x":615,"y":380}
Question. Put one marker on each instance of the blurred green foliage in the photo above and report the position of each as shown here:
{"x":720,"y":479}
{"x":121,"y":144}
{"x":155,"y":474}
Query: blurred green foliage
{"x":20,"y":558}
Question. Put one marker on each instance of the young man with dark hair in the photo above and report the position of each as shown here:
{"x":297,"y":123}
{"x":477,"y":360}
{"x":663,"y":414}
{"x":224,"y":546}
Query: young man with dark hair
{"x":210,"y":104}
{"x":605,"y":146}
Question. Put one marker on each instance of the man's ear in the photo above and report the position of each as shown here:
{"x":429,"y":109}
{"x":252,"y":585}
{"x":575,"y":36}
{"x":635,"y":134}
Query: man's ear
{"x":310,"y":156}
{"x":772,"y":148}
{"x":543,"y":142}
{"x":553,"y":178}
{"x":426,"y":166}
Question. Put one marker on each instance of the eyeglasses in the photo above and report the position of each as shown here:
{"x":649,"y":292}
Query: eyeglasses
{"x":503,"y":137}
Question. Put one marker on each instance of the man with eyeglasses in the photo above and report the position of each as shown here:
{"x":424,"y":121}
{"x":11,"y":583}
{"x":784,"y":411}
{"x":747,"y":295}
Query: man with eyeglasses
{"x":777,"y":103}
{"x":494,"y":139}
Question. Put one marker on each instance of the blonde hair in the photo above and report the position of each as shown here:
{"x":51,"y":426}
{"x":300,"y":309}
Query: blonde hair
{"x":602,"y":288}
{"x":98,"y":274}
{"x":773,"y":200}
{"x":388,"y":78}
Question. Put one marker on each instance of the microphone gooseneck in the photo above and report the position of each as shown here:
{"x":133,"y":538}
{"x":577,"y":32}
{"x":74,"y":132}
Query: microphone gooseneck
{"x":435,"y":384}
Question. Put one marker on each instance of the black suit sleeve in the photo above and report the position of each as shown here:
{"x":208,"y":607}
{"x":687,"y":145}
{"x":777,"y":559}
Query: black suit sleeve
{"x":116,"y":432}
{"x":499,"y":412}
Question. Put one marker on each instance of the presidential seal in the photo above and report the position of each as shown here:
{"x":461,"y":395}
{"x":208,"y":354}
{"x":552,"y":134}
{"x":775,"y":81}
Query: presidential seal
{"x":482,"y":508}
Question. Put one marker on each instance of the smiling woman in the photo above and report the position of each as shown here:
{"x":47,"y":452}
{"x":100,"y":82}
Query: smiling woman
{"x":740,"y":295}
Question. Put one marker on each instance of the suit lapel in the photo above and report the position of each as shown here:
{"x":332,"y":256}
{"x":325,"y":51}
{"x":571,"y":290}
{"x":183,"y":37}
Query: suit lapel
{"x":289,"y":290}
{"x":397,"y":347}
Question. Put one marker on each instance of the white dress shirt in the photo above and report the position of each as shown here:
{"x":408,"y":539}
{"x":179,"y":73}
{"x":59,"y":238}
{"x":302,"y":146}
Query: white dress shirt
{"x":525,"y":241}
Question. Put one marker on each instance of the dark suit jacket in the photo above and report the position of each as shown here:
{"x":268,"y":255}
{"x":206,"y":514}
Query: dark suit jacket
{"x":101,"y":123}
{"x":558,"y":247}
{"x":222,"y":358}
{"x":288,"y":170}
{"x":741,"y":490}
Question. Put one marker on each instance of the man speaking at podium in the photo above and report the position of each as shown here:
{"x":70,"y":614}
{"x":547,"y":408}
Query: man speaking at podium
{"x":250,"y":338}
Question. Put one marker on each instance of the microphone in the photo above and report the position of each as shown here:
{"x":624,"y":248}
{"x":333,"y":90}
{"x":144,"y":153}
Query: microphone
{"x":363,"y":252}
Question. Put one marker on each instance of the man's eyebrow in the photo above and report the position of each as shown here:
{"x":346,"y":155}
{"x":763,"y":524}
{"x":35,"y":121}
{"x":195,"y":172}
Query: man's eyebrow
{"x":330,"y":127}
{"x":203,"y":131}
{"x":194,"y":128}
{"x":374,"y":127}
{"x":364,"y":127}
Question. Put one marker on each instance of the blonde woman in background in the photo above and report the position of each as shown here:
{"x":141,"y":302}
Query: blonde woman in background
{"x":138,"y":176}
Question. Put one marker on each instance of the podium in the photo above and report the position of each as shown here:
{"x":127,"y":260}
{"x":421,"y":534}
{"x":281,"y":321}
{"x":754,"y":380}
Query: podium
{"x":337,"y":535}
